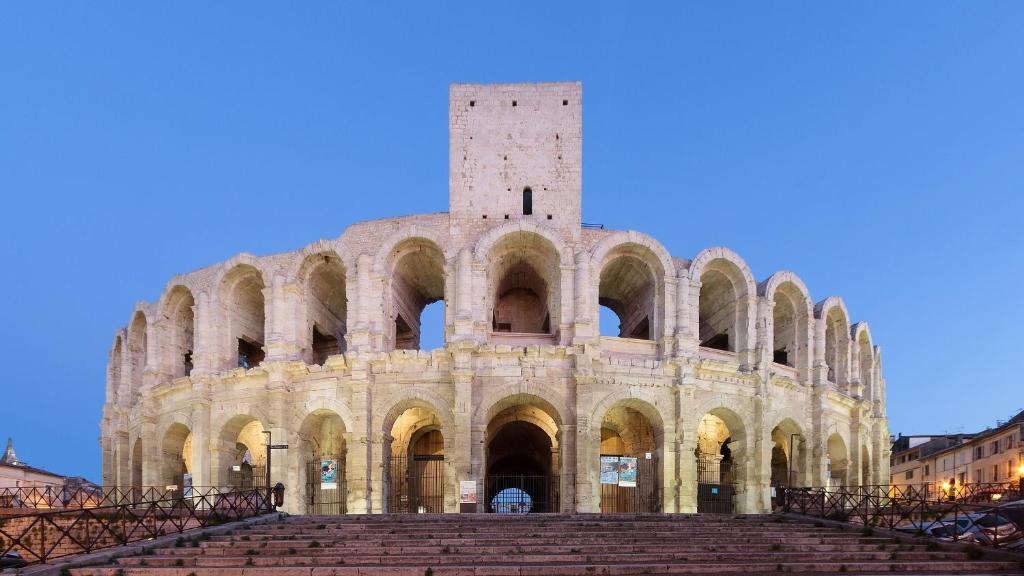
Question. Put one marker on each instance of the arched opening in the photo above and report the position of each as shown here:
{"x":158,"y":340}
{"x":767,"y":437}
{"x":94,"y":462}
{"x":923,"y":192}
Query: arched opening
{"x":243,"y":289}
{"x":718,"y":309}
{"x":522,"y":460}
{"x":241,"y":454}
{"x":790,"y":326}
{"x":524,"y":277}
{"x":416,"y":472}
{"x":321,"y":445}
{"x":837,"y":462}
{"x":719,"y":448}
{"x":628,"y":287}
{"x":137,"y":350}
{"x":114,"y":372}
{"x":789,"y":457}
{"x":176,"y":457}
{"x":867,"y":365}
{"x":527,"y":201}
{"x":837,"y":347}
{"x":630,"y":460}
{"x":416,"y":282}
{"x":137,"y":470}
{"x":180,"y":317}
{"x":326,"y":308}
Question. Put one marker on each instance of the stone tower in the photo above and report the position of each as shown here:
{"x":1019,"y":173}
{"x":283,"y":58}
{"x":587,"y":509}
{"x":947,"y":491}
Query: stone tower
{"x":515,"y":152}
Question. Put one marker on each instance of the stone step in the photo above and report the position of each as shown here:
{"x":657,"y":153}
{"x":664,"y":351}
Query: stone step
{"x":623,"y":569}
{"x":554,"y":559}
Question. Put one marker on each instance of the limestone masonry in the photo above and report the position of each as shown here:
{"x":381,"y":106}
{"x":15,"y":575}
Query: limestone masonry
{"x":718,"y":385}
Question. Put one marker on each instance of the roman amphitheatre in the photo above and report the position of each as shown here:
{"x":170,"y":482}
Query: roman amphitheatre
{"x":717,"y":387}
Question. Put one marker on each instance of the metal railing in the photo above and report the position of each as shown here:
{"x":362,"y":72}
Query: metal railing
{"x":911,"y":510}
{"x":63,"y":497}
{"x":40,"y":536}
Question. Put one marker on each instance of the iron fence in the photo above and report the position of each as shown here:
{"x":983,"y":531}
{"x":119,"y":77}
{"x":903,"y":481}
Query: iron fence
{"x":913,"y":511}
{"x":62,"y":497}
{"x":40,"y":536}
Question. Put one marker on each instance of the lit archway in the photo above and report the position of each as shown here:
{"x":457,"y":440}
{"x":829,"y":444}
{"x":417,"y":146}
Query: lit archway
{"x":720,"y":459}
{"x":838,"y":461}
{"x":415,"y":460}
{"x":322,"y":455}
{"x":240,"y":454}
{"x":789,"y":455}
{"x":631,"y":455}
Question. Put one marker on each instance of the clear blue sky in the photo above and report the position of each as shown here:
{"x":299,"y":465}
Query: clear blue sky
{"x":875,"y":148}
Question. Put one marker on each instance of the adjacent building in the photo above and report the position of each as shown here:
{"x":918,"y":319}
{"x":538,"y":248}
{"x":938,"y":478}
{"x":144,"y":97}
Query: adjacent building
{"x":993,"y":456}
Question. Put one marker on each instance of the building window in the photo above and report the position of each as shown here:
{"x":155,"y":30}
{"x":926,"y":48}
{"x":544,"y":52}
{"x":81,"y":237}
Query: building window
{"x":995,"y":472}
{"x":910,"y":474}
{"x":527,"y":201}
{"x":926,"y":470}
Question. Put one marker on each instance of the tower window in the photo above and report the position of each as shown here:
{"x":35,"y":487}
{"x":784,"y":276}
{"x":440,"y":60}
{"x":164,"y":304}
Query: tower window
{"x":565,"y":102}
{"x":514,"y":103}
{"x":527,"y":201}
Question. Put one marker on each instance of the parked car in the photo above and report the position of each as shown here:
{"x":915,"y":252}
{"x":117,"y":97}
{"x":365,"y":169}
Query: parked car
{"x":993,"y":528}
{"x":12,"y":560}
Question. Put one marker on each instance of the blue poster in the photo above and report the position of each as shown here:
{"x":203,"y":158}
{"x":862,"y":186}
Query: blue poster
{"x":328,"y":475}
{"x":609,"y":469}
{"x":627,"y":472}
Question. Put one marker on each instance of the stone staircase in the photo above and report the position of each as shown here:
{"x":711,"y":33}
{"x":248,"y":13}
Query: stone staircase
{"x":492,"y":545}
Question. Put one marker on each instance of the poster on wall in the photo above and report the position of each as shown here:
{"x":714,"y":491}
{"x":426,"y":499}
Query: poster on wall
{"x":328,"y":474}
{"x":627,"y":472}
{"x":467,"y":492}
{"x":609,"y":469}
{"x":186,"y":485}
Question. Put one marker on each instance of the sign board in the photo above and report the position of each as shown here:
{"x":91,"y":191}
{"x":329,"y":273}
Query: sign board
{"x":328,"y":474}
{"x":467,"y":492}
{"x":278,"y":446}
{"x":627,"y":472}
{"x":609,"y":469}
{"x":647,"y":455}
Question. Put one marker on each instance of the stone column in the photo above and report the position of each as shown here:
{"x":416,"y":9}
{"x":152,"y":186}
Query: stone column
{"x":202,"y":457}
{"x":365,"y":479}
{"x":151,"y":464}
{"x":464,"y":295}
{"x":669,"y":469}
{"x":567,"y":312}
{"x":669,"y":314}
{"x":122,"y":463}
{"x":571,"y":467}
{"x":461,"y":454}
{"x":688,"y":467}
{"x":585,"y":320}
{"x":276,"y":319}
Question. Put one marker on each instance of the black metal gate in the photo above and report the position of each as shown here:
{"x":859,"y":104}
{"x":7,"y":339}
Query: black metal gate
{"x":246,"y":477}
{"x":643,"y":497}
{"x":520,"y":494}
{"x":416,"y":486}
{"x":326,"y":497}
{"x":715,"y":491}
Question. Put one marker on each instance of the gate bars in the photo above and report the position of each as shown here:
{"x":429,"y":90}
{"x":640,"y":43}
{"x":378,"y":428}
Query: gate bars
{"x":42,"y":536}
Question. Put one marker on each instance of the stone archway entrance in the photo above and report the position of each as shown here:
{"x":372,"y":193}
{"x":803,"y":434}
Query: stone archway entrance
{"x":321,"y":445}
{"x":522,"y":470}
{"x":630,"y":457}
{"x":719,"y":436}
{"x":415,"y":467}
